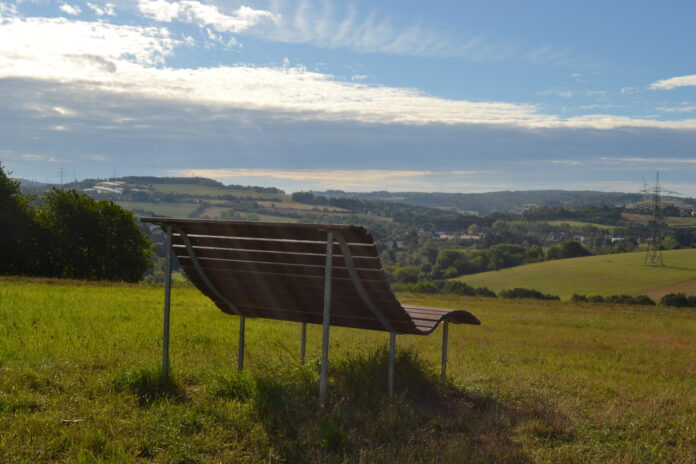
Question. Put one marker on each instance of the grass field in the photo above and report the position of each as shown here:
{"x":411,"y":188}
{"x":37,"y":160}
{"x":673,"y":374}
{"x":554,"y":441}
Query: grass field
{"x":614,"y":274}
{"x":578,"y":225}
{"x":671,"y":221}
{"x":538,"y":382}
{"x":293,"y":205}
{"x":162,"y":209}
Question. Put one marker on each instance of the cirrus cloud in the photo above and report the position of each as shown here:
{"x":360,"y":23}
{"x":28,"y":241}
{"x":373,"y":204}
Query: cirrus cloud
{"x":132,"y":59}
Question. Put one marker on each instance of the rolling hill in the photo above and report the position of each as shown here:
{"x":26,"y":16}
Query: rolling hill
{"x":612,"y":274}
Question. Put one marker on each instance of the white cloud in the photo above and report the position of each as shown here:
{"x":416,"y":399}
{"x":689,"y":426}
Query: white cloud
{"x":565,"y":162}
{"x":160,"y":10}
{"x":61,"y":49}
{"x":41,"y":158}
{"x":204,"y":15}
{"x":108,"y":9}
{"x":670,"y":161}
{"x":129,"y":60}
{"x":7,"y":10}
{"x":556,"y":93}
{"x":72,"y":10}
{"x":674,"y":82}
{"x":678,"y":109}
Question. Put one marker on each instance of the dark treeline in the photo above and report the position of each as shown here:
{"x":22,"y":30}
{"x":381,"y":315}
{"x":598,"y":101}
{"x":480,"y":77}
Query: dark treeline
{"x":429,"y":262}
{"x":484,"y":203}
{"x":70,"y":235}
{"x":197,"y":181}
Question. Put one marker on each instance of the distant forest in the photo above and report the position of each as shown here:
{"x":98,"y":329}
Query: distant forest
{"x":506,"y":201}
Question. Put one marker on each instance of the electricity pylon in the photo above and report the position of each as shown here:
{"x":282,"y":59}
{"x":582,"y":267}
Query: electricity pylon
{"x":653,"y":257}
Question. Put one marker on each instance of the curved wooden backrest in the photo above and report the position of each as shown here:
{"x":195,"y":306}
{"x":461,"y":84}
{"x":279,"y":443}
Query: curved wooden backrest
{"x":276,"y":271}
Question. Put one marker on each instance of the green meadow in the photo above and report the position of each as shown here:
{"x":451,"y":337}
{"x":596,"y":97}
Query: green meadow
{"x":537,"y":382}
{"x":162,"y":209}
{"x":613,"y":274}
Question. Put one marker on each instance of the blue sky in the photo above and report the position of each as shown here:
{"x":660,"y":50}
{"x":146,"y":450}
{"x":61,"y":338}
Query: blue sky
{"x":316,"y":94}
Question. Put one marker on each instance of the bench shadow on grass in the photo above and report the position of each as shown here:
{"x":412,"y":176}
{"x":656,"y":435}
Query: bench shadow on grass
{"x":425,"y":421}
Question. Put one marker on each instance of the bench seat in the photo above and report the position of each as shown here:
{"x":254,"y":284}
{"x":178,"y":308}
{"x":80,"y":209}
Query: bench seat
{"x":278,"y":270}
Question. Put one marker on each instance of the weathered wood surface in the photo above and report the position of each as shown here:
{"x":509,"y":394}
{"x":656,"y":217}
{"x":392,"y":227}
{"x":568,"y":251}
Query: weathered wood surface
{"x":276,"y":271}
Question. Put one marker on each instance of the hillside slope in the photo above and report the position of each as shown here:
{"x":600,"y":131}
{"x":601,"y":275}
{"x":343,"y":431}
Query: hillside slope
{"x":536,"y":383}
{"x":598,"y":275}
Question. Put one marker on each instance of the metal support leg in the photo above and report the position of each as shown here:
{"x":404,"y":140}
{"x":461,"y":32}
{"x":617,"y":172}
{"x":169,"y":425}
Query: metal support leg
{"x":392,"y":351}
{"x":167,"y":301}
{"x":303,"y":342}
{"x":324,"y":373}
{"x":240,"y":354}
{"x":445,"y":330}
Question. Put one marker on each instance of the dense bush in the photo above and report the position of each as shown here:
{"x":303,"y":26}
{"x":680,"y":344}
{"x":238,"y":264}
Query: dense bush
{"x":615,"y":299}
{"x":679,"y":300}
{"x":485,"y":291}
{"x":458,"y":288}
{"x":18,"y":240}
{"x":527,"y":293}
{"x":70,"y":235}
{"x":569,"y":249}
{"x":443,"y":287}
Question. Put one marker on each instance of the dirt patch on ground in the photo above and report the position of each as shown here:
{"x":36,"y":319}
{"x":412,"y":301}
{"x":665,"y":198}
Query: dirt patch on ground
{"x":687,"y":287}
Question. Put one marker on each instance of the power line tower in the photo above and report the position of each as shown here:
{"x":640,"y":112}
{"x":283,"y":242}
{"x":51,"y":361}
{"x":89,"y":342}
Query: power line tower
{"x":653,"y":257}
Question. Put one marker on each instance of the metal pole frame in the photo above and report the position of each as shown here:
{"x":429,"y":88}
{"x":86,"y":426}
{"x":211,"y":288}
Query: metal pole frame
{"x":303,"y":342}
{"x":324,"y":372}
{"x":167,"y":303}
{"x":392,"y":352}
{"x":240,"y":353}
{"x":445,"y":334}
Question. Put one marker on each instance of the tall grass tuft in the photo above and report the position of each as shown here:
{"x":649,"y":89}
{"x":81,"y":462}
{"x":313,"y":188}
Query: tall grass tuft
{"x":148,"y":385}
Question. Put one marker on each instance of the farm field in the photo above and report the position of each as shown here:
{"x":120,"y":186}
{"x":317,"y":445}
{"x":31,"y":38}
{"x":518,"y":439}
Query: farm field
{"x":613,"y":274}
{"x":538,"y":382}
{"x":299,"y":206}
{"x":671,"y":221}
{"x":161,"y":209}
{"x":579,"y":224}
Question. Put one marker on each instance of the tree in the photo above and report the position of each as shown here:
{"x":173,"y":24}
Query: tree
{"x":18,"y":234}
{"x":569,"y":249}
{"x":88,"y":239}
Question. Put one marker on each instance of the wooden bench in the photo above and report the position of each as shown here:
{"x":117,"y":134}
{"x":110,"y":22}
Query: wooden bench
{"x":325,"y":274}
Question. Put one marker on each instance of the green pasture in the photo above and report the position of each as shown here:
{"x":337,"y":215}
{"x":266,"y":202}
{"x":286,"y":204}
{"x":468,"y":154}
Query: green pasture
{"x":669,"y":220}
{"x":580,"y":225}
{"x":538,"y":382}
{"x":614,"y":274}
{"x":161,"y":209}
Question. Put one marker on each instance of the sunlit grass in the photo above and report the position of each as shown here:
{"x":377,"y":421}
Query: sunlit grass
{"x":613,"y":274}
{"x":537,"y":382}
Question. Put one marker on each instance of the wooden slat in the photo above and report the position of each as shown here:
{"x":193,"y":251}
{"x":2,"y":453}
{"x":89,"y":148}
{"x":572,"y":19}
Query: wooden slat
{"x":345,"y":320}
{"x":263,"y":293}
{"x":278,"y":298}
{"x":288,"y":246}
{"x":287,"y":231}
{"x":338,"y":285}
{"x":289,"y":269}
{"x":316,"y":291}
{"x":277,"y":257}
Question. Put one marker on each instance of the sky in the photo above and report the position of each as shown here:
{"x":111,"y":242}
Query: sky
{"x":450,"y":96}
